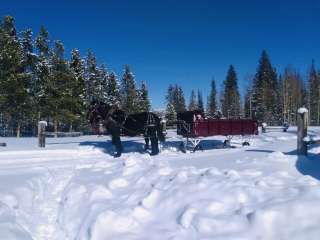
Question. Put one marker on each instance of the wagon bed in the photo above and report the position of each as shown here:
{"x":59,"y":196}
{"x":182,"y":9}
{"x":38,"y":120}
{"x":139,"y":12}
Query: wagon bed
{"x":192,"y":126}
{"x":214,"y":127}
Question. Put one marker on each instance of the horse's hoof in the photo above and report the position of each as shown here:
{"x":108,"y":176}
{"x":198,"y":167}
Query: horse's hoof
{"x":117,"y":155}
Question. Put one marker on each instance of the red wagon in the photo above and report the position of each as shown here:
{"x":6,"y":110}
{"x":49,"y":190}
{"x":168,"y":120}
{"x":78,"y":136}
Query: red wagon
{"x":224,"y":127}
{"x":193,"y":126}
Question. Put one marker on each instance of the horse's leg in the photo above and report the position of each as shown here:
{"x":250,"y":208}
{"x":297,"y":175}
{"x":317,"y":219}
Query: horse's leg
{"x":154,"y":142}
{"x":116,"y":141}
{"x":118,"y":145}
{"x":154,"y":146}
{"x":146,"y":146}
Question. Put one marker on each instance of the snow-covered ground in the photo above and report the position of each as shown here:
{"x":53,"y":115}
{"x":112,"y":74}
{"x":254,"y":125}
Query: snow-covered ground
{"x":75,"y":189}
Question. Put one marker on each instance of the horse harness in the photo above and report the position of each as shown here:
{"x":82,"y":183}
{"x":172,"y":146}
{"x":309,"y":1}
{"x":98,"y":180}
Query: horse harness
{"x":149,"y":125}
{"x":147,"y":128}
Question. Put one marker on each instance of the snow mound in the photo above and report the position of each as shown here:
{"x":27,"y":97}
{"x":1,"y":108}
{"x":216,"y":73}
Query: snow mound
{"x":86,"y":194}
{"x":9,"y":228}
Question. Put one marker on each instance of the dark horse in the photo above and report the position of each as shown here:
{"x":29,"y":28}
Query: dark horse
{"x":117,"y":121}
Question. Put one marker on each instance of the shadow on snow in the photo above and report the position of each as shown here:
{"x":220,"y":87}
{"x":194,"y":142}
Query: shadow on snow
{"x":138,"y":146}
{"x":308,"y":165}
{"x":107,"y":147}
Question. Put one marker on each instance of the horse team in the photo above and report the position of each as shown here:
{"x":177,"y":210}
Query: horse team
{"x":148,"y":124}
{"x":117,"y":122}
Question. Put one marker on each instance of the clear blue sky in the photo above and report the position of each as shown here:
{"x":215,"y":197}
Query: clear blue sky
{"x":180,"y":41}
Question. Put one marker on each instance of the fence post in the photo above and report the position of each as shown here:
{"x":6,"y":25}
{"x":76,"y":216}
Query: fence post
{"x":302,"y":122}
{"x":42,"y":133}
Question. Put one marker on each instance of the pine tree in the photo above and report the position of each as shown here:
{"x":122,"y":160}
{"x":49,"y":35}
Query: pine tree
{"x":128,"y":92}
{"x":102,"y":84}
{"x":180,"y":103}
{"x":212,"y":102}
{"x":175,"y":97}
{"x":193,"y":102}
{"x":265,"y":94}
{"x":78,"y":104}
{"x":143,"y":99}
{"x":9,"y":27}
{"x":248,"y":103}
{"x":30,"y":60}
{"x":113,"y":90}
{"x":231,"y":97}
{"x":171,"y":114}
{"x":14,"y":97}
{"x":91,"y":77}
{"x":170,"y":95}
{"x":200,"y":102}
{"x":59,"y":102}
{"x":42,"y":42}
{"x":42,"y":77}
{"x":314,"y":96}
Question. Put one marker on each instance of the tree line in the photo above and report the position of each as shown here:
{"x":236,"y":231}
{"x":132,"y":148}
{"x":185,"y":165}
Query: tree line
{"x":37,"y":82}
{"x":270,"y":97}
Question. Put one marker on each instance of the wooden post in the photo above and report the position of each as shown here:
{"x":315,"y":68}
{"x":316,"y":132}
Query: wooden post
{"x":302,"y":122}
{"x":42,"y":133}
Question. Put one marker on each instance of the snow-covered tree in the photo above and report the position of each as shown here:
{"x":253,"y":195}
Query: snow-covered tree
{"x":102,"y":84}
{"x":79,"y":104}
{"x":42,"y":42}
{"x":175,"y":97}
{"x":170,"y":95}
{"x":171,"y":114}
{"x":43,"y":69}
{"x":231,"y":97}
{"x":143,"y":98}
{"x":292,"y":90}
{"x":91,"y":77}
{"x":212,"y":99}
{"x":14,"y":97}
{"x":200,"y":101}
{"x":193,"y":105}
{"x":128,"y":92}
{"x":30,"y":60}
{"x":314,"y":95}
{"x":265,"y":92}
{"x":113,"y":90}
{"x":59,"y":104}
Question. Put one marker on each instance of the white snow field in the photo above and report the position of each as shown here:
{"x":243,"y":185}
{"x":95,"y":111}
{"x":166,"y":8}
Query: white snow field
{"x":74,"y":189}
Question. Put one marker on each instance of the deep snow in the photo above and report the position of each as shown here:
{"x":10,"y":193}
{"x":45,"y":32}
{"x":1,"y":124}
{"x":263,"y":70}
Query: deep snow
{"x":74,"y":189}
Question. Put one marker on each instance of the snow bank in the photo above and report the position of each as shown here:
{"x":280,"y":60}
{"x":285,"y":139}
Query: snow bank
{"x":85,"y":194}
{"x":158,"y":202}
{"x":296,"y":218}
{"x":9,"y":228}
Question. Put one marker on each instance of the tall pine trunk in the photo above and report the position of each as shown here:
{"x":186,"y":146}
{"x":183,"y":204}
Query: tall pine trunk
{"x":37,"y":122}
{"x":55,"y":125}
{"x":18,"y":130}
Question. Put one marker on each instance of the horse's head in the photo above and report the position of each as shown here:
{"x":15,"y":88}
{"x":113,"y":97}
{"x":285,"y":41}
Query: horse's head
{"x":99,"y":112}
{"x":119,"y":116}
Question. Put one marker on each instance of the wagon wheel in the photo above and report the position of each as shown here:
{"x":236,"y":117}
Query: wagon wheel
{"x":198,"y":147}
{"x":245,"y":143}
{"x":226,"y":143}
